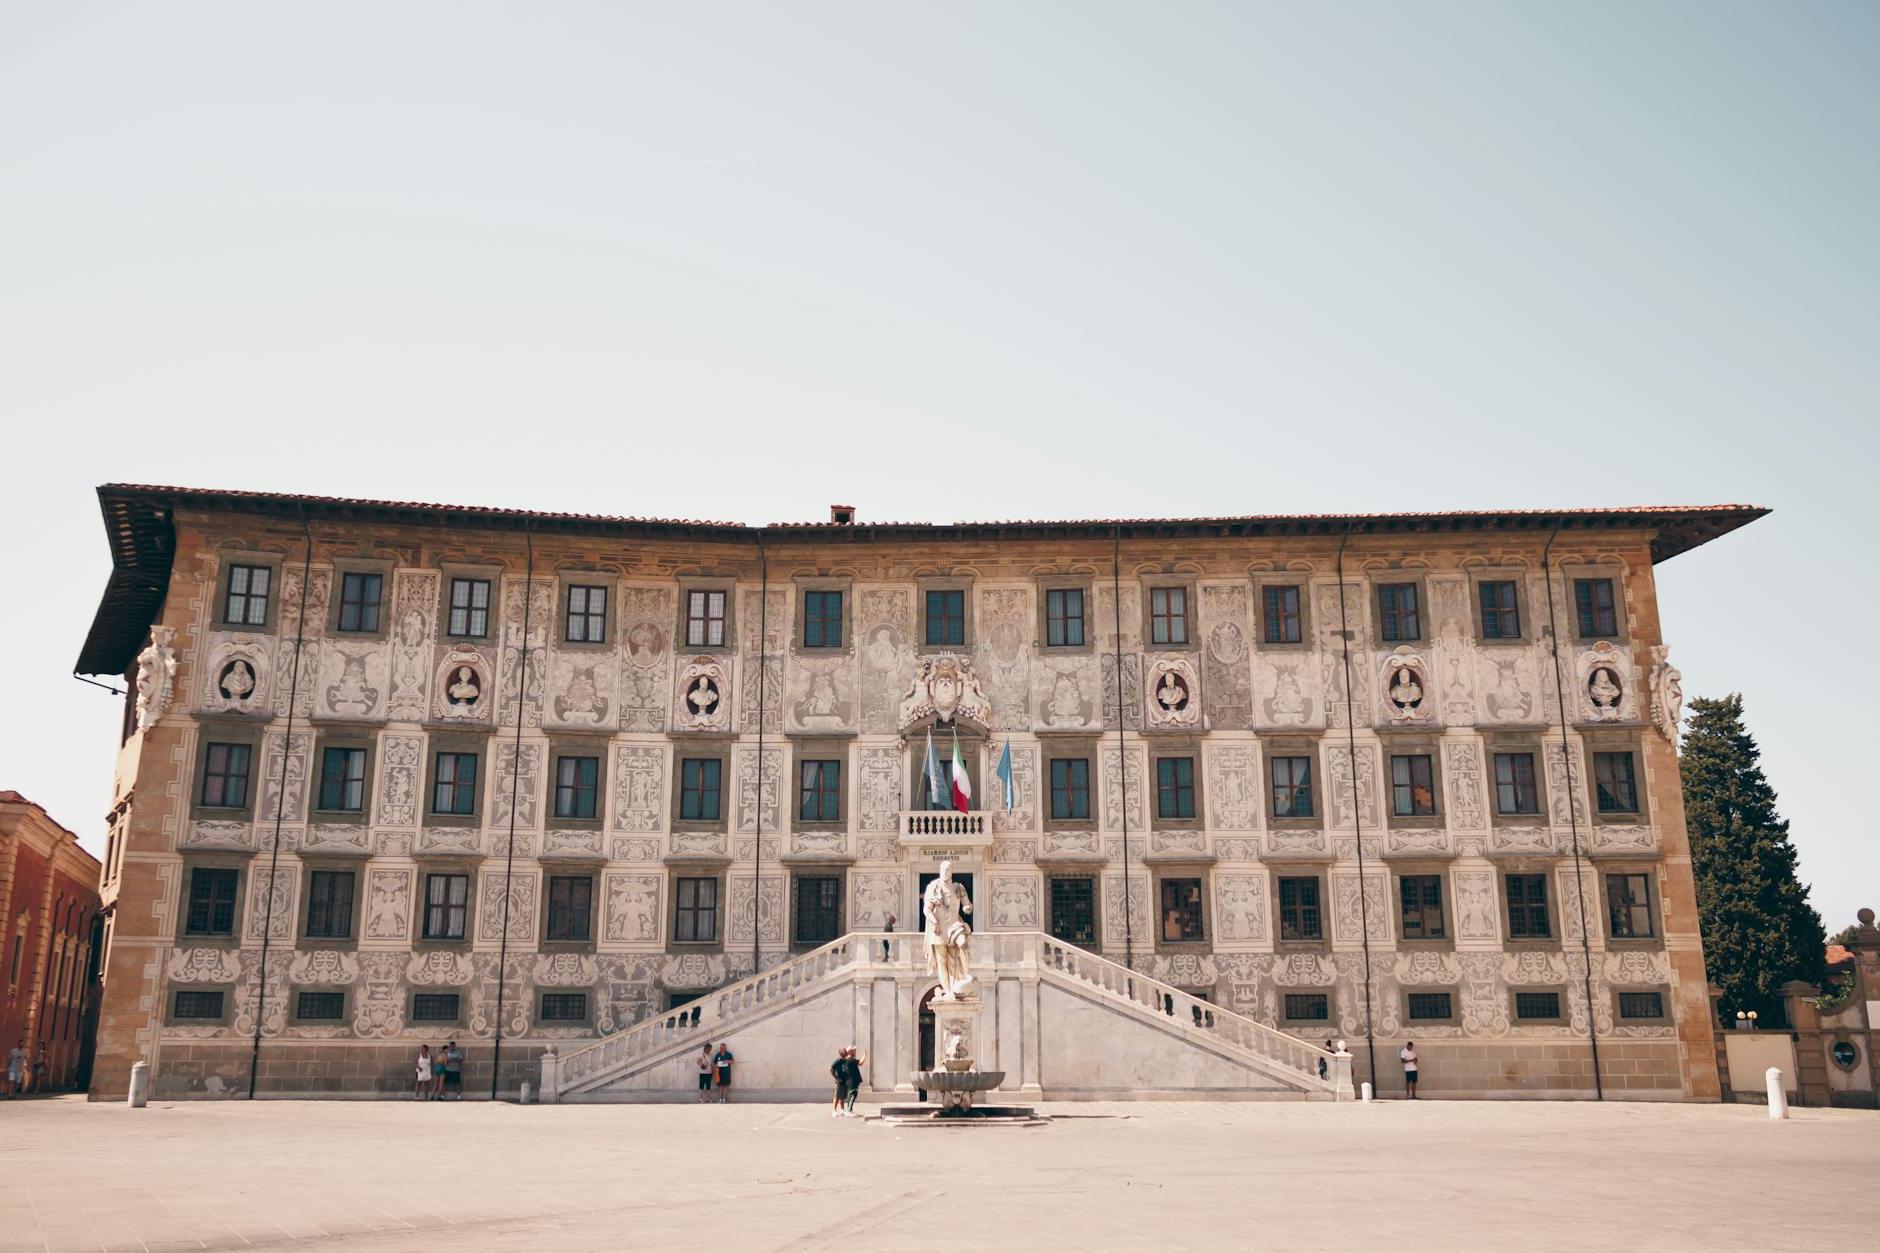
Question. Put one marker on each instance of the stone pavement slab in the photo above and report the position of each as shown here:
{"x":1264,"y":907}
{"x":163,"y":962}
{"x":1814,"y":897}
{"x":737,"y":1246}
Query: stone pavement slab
{"x":400,"y":1175}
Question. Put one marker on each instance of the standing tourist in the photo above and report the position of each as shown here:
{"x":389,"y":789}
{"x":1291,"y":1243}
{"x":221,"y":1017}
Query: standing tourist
{"x":16,"y":1068}
{"x":854,"y":1084}
{"x":722,"y":1059}
{"x":705,"y":1073}
{"x":421,"y":1085}
{"x":887,"y":950}
{"x":453,"y":1069}
{"x":437,"y":1073}
{"x":1409,"y":1059}
{"x":42,"y":1069}
{"x":839,"y":1071}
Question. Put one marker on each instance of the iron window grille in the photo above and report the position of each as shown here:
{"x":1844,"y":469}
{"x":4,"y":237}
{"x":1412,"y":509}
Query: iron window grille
{"x":446,"y":906}
{"x":1430,"y":1007}
{"x":819,"y":797}
{"x":695,"y":911}
{"x":225,"y":770}
{"x":434,"y":1007}
{"x":1629,"y":906}
{"x":330,"y":904}
{"x":455,"y":784}
{"x":1614,"y":783}
{"x":1299,"y":913}
{"x":246,"y":601}
{"x":1175,"y":787}
{"x":343,"y":780}
{"x":577,"y":787}
{"x":1634,"y":1005}
{"x":1168,"y":615}
{"x":320,"y":1006}
{"x":1308,"y":1007}
{"x":1527,"y":907}
{"x":1074,"y":909}
{"x":1501,"y":611}
{"x":196,"y":1005}
{"x":1292,"y":787}
{"x":822,"y":619}
{"x":946,"y":617}
{"x":1064,"y":617}
{"x":1515,"y":792}
{"x":570,"y":908}
{"x":705,"y":619}
{"x":564,"y":1006}
{"x":470,"y":608}
{"x":212,"y":892}
{"x":1412,"y":786}
{"x":359,"y":600}
{"x":699,"y":789}
{"x":1536,"y":1006}
{"x":587,"y":615}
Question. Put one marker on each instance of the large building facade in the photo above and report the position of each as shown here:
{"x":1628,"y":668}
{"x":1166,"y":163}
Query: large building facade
{"x":1329,"y":774}
{"x":50,"y":924}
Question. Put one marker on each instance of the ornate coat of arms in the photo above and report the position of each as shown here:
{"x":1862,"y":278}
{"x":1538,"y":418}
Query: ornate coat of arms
{"x":945,"y":688}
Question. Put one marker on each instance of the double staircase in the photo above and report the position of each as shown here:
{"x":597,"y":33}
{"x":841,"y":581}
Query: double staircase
{"x":812,"y":987}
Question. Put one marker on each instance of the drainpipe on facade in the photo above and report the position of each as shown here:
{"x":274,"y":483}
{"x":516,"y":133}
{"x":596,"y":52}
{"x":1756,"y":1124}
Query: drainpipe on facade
{"x":515,"y":794}
{"x":1357,"y":816}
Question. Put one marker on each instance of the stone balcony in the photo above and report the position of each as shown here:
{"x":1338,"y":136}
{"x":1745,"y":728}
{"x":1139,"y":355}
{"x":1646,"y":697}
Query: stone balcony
{"x":938,"y":829}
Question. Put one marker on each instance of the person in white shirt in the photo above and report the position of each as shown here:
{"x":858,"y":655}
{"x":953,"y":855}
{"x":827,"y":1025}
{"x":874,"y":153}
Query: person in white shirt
{"x":16,"y":1069}
{"x":421,"y":1081}
{"x":1408,"y":1056}
{"x":705,"y":1073}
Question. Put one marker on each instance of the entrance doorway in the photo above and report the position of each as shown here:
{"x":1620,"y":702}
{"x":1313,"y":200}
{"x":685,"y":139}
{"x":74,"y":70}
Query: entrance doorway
{"x":926,"y":1031}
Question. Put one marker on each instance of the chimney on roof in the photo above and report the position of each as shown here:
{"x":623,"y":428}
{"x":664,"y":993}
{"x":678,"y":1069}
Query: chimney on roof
{"x":842,"y":515}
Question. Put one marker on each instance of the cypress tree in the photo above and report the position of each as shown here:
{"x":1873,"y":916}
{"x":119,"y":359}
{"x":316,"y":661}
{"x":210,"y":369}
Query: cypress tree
{"x":1759,"y":929}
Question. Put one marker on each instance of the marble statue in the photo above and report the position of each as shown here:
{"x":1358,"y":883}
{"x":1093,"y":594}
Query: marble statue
{"x":948,"y":936}
{"x":156,"y":670}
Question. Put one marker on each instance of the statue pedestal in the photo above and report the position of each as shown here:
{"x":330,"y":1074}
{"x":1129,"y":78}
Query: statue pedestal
{"x":958,"y":1016}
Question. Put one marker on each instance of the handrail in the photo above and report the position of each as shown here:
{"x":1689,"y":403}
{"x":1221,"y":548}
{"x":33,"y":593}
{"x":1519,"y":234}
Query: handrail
{"x":720,"y":1010}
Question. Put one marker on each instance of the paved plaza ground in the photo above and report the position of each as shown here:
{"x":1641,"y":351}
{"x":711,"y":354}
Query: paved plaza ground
{"x":1164,"y":1176}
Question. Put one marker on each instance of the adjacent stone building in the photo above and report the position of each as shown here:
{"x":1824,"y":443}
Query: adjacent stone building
{"x":1314,"y":774}
{"x":49,"y":925}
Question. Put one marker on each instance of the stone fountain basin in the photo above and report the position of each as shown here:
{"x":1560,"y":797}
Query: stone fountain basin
{"x":958,"y":1080}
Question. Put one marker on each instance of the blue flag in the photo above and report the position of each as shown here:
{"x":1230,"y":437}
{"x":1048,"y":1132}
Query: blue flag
{"x":939,"y":796}
{"x":1007,"y":788}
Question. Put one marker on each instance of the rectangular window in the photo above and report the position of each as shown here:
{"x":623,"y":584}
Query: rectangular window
{"x":1422,"y":899}
{"x":225,"y":776}
{"x":246,"y":603}
{"x":1168,"y":615}
{"x":577,"y":787}
{"x":1430,"y":1007}
{"x":359,"y":598}
{"x":704,"y":619}
{"x":330,"y":905}
{"x":564,"y":1007}
{"x":196,"y":1005}
{"x":818,"y":908}
{"x":1299,"y":917}
{"x":570,"y":908}
{"x":1514,"y":784}
{"x":1175,"y":787}
{"x":1412,"y":786}
{"x":1501,"y":613}
{"x":1280,"y":609}
{"x":343,"y":780}
{"x":1308,"y":1007}
{"x":454,"y":780}
{"x":819,"y":796}
{"x":1536,"y":1006}
{"x":1629,"y":906}
{"x":320,"y":1006}
{"x":695,"y":911}
{"x":1397,"y":612}
{"x":1527,"y":907}
{"x":1614,"y":783}
{"x":1070,"y":788}
{"x":944,"y":800}
{"x":1064,"y":617}
{"x":1598,"y":611}
{"x":1074,"y":909}
{"x":470,"y":608}
{"x":1181,"y":911}
{"x":1634,"y":1005}
{"x":822,"y":619}
{"x":699,"y":789}
{"x":446,"y":906}
{"x":434,"y":1007}
{"x":1292,"y":787}
{"x":211,"y":901}
{"x":946,"y":617}
{"x":586,"y":621}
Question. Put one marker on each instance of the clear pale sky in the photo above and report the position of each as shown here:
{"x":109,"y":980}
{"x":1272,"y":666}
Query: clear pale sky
{"x":959,"y":262}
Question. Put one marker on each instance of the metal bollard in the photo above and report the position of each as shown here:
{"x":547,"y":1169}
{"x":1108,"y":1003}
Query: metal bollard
{"x":139,"y":1094}
{"x":1778,"y":1099}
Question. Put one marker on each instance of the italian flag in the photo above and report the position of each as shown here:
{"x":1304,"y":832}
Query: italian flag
{"x":962,"y":786}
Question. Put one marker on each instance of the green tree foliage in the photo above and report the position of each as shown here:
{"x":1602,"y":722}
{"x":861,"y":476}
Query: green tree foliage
{"x":1759,"y":929}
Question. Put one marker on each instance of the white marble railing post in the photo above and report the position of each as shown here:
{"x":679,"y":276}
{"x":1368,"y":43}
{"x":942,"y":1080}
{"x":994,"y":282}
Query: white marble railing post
{"x":1341,"y":1075}
{"x":1778,"y":1099}
{"x":551,"y":1076}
